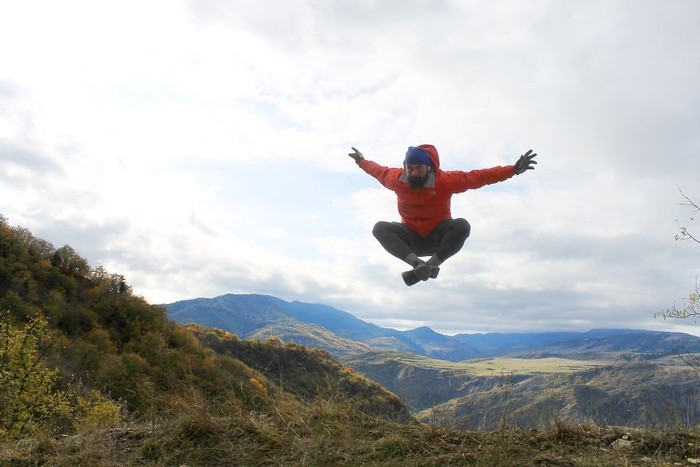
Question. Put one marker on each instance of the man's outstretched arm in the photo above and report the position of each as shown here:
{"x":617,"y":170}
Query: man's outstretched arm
{"x":461,"y":181}
{"x":385,"y":175}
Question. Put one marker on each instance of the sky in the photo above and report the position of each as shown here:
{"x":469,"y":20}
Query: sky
{"x":199,"y":148}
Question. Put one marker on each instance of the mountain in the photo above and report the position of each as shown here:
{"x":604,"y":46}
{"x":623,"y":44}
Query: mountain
{"x":647,"y":343}
{"x":496,"y":343}
{"x":259,"y":316}
{"x":481,"y":381}
{"x":584,"y":344}
{"x":263,"y":316}
{"x":240,"y":314}
{"x":436,"y":345}
{"x":342,"y":334}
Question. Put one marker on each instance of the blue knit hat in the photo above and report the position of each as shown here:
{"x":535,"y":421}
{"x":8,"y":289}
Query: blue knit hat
{"x":417,"y":156}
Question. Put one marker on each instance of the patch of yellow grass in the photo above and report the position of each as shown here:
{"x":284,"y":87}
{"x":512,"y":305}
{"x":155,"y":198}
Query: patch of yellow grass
{"x":527,"y":366}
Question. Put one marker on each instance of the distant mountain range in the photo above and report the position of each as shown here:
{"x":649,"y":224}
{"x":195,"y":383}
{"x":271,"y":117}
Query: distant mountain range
{"x":342,"y":334}
{"x":480,"y":381}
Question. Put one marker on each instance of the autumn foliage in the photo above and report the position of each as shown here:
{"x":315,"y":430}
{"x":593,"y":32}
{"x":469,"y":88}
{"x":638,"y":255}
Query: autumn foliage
{"x":79,"y":350}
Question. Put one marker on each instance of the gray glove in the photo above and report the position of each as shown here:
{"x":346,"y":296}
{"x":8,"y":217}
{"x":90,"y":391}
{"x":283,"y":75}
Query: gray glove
{"x":357,"y":155}
{"x":525,"y":162}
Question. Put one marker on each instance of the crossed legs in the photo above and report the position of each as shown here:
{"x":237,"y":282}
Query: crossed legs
{"x":443,"y":242}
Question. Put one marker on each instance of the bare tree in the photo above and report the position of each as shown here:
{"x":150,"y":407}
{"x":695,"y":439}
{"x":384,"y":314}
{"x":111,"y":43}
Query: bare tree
{"x":691,"y":303}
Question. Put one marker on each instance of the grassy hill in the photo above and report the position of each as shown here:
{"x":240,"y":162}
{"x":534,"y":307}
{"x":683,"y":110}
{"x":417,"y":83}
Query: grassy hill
{"x":92,"y":375}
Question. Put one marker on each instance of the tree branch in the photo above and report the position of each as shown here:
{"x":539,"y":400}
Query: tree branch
{"x":685,"y":234}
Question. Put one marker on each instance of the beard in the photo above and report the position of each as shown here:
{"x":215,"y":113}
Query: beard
{"x":417,"y":182}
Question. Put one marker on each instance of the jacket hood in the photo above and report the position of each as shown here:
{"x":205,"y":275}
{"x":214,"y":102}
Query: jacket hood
{"x":434,"y":157}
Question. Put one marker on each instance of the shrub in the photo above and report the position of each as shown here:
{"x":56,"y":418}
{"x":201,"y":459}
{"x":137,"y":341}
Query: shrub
{"x":28,"y":396}
{"x":97,"y":411}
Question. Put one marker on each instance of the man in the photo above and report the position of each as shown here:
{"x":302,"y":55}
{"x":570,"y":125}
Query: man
{"x":424,"y":192}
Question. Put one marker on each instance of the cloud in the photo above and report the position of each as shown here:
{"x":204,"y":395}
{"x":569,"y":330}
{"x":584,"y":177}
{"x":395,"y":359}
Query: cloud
{"x":17,"y":163}
{"x":199,"y":148}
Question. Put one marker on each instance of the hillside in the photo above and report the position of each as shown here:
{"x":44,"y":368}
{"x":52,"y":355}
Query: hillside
{"x":483,"y":394}
{"x":637,"y":394}
{"x":79,"y":351}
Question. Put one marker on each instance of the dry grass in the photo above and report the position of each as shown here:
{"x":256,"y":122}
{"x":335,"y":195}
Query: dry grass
{"x":324,"y":433}
{"x":528,"y":366}
{"x":507,"y":365}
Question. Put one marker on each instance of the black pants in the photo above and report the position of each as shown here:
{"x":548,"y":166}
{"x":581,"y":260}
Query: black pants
{"x":446,"y":240}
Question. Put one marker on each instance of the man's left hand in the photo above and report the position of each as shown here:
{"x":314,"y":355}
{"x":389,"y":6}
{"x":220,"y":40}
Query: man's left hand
{"x":525,"y":162}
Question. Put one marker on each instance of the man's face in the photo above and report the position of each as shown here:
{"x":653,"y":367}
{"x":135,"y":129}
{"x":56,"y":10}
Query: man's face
{"x":417,"y":174}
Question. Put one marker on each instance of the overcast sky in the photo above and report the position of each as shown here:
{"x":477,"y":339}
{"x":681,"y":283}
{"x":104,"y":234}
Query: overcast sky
{"x":200,"y":148}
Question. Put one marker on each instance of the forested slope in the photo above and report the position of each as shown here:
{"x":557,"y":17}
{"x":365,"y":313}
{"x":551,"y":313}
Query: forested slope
{"x":78,"y":348}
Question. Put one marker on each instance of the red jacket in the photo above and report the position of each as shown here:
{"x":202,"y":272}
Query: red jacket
{"x":425,"y":208}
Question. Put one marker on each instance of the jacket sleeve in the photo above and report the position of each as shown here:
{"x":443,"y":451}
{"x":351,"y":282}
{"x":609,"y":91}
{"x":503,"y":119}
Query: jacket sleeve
{"x":388,"y":177}
{"x":460,"y":181}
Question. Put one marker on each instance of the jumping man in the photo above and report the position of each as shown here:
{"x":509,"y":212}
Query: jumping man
{"x":424,"y":194}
